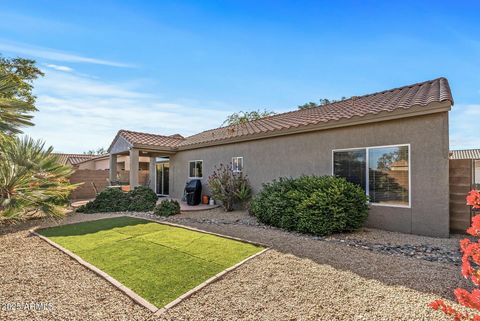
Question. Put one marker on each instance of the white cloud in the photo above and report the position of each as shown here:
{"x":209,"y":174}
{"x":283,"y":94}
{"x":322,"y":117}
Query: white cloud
{"x":52,"y":54}
{"x":78,"y":113}
{"x":464,"y":126}
{"x":59,"y":68}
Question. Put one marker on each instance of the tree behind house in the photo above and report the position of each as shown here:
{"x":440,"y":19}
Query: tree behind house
{"x":322,"y":102}
{"x":243,"y":117}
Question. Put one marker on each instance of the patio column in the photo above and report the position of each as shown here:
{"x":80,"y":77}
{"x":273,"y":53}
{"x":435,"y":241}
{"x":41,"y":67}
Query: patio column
{"x":112,"y":175}
{"x":151,"y":172}
{"x":133,"y":168}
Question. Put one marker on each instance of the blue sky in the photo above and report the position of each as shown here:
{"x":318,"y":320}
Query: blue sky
{"x":181,"y":66}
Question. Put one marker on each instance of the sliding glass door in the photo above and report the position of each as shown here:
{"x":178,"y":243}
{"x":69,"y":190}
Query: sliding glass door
{"x":163,"y":171}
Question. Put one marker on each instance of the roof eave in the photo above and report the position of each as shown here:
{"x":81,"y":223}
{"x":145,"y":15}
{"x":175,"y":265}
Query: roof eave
{"x":155,"y":148}
{"x":419,"y":110}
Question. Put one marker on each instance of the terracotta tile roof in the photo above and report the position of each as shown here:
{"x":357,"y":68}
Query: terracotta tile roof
{"x":73,"y":159}
{"x":465,"y":154}
{"x":144,"y":139}
{"x":420,"y":94}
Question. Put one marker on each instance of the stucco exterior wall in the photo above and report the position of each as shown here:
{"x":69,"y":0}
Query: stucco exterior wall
{"x":311,"y":154}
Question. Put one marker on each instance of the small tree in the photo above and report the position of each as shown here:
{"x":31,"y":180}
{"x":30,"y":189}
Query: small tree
{"x":470,"y":269}
{"x":229,"y":187}
{"x":243,"y":117}
{"x":322,"y":102}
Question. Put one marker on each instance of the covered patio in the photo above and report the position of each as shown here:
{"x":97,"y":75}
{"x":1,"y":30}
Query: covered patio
{"x":157,"y":148}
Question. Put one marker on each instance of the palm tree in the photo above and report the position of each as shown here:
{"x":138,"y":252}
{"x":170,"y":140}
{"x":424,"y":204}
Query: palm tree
{"x":32,"y":181}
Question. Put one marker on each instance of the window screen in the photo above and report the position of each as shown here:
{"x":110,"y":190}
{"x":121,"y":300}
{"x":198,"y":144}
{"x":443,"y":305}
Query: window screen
{"x":195,"y":169}
{"x":389,"y":175}
{"x":351,"y":165}
{"x":237,"y":164}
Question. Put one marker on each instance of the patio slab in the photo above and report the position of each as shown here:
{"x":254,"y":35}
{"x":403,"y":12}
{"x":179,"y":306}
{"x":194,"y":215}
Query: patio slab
{"x":184,"y":207}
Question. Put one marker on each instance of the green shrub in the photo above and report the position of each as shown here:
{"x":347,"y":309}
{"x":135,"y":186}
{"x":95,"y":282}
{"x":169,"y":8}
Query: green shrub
{"x":167,"y":208}
{"x":311,"y":204}
{"x":141,"y":199}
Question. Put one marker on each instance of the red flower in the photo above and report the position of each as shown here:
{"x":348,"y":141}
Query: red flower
{"x":475,"y":228}
{"x":470,"y":270}
{"x":473,"y":199}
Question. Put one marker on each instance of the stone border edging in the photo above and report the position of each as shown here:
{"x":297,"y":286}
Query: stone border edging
{"x":129,"y":292}
{"x":211,"y":280}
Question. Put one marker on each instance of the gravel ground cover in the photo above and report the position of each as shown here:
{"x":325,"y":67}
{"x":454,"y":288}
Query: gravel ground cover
{"x":324,"y":281}
{"x":34,"y":272}
{"x":437,"y":277}
{"x":277,"y":286}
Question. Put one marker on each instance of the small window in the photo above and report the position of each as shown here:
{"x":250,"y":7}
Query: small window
{"x":195,"y":169}
{"x":237,"y":164}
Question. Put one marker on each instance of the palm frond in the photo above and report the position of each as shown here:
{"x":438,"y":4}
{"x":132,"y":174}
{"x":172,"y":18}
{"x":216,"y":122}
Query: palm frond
{"x":31,"y":179}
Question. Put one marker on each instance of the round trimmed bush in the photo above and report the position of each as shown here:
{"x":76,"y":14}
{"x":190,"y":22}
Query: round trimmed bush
{"x":319,"y":205}
{"x":141,"y":199}
{"x":109,"y":200}
{"x":167,"y":208}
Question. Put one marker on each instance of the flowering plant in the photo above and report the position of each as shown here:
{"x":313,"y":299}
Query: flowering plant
{"x":473,"y":199}
{"x":470,"y":269}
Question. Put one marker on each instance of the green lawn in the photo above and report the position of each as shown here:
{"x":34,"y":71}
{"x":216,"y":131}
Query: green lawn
{"x":159,"y":262}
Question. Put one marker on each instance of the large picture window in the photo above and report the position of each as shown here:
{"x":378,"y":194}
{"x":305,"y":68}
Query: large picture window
{"x":383,"y":172}
{"x":195,"y":169}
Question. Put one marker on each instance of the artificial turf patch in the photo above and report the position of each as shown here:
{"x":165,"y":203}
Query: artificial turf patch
{"x":157,"y":261}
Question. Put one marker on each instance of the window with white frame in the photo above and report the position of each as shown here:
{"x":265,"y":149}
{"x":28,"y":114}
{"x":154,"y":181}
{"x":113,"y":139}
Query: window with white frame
{"x":195,"y":169}
{"x":383,"y":172}
{"x":237,"y":164}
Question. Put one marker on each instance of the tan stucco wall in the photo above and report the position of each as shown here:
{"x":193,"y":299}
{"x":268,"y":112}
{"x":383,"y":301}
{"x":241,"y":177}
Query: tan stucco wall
{"x":311,"y":154}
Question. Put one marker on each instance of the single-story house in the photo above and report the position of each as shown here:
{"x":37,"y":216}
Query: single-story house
{"x":464,"y":176}
{"x":393,"y":143}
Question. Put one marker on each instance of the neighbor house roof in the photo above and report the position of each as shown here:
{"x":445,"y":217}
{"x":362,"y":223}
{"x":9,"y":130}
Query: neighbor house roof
{"x":465,"y":154}
{"x":73,"y":159}
{"x":420,"y":94}
{"x":394,"y":103}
